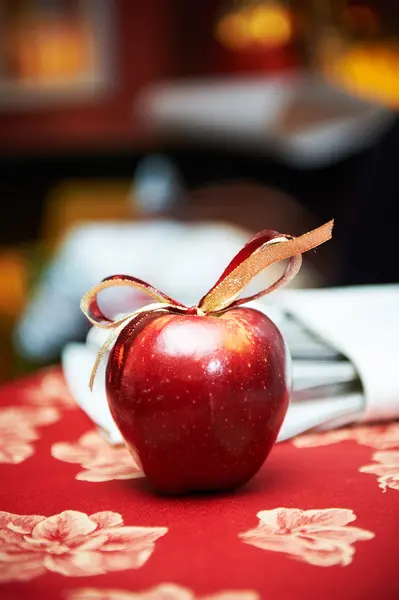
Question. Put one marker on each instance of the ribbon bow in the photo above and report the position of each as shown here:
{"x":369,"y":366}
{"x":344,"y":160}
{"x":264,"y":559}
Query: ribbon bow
{"x":266,"y":248}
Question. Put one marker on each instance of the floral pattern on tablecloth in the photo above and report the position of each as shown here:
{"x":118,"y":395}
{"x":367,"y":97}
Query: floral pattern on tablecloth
{"x":100,"y":460}
{"x":164,"y":591}
{"x":321,"y":538}
{"x":72,"y":543}
{"x":50,"y":390}
{"x":380,"y":437}
{"x":19,"y":429}
{"x":212,"y":550}
{"x":386,"y":468}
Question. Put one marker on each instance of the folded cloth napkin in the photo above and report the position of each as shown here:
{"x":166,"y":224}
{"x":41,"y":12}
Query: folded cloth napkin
{"x":362,"y":323}
{"x":345,"y":348}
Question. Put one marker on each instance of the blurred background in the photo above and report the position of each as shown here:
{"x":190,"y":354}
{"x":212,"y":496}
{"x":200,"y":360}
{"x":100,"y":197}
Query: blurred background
{"x":155,"y":137}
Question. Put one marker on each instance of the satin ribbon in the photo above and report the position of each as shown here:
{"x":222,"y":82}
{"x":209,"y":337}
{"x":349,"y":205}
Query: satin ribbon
{"x":266,"y":248}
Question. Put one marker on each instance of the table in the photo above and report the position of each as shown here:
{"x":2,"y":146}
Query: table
{"x":78,"y":521}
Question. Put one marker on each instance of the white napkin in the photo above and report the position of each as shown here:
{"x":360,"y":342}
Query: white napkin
{"x":361,"y":323}
{"x":77,"y":363}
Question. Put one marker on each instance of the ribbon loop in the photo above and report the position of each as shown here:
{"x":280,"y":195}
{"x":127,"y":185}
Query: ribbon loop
{"x":89,"y":303}
{"x":225,"y":293}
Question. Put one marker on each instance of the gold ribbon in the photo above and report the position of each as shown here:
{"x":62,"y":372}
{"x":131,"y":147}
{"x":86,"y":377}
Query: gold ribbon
{"x":223,"y":295}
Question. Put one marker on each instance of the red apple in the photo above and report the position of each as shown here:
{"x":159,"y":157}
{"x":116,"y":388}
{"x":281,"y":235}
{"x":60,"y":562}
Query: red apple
{"x":199,"y":394}
{"x":199,"y":399}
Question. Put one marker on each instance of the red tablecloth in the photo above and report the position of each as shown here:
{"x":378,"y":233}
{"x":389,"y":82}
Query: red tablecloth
{"x":321,"y":519}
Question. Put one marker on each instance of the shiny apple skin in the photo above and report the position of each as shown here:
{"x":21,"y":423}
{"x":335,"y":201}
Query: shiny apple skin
{"x":199,"y":399}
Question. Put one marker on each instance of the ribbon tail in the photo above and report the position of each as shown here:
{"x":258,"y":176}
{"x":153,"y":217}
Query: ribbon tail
{"x":104,"y":348}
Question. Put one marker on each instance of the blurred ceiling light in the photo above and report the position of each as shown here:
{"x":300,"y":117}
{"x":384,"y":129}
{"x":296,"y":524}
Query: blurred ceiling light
{"x":255,"y":23}
{"x":369,"y":70}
